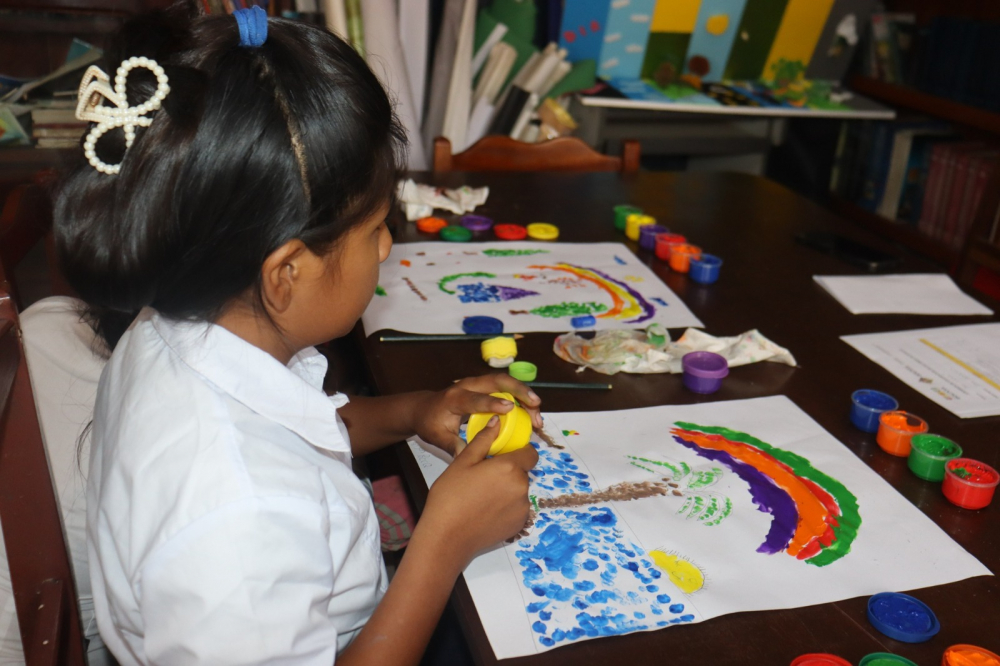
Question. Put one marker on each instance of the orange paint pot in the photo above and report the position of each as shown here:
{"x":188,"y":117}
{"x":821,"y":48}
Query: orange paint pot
{"x":681,"y":255}
{"x":969,"y":655}
{"x":895,"y":429}
{"x":663,"y":243}
{"x":431,"y":225}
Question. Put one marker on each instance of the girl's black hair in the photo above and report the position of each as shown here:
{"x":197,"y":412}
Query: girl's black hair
{"x":253,"y":147}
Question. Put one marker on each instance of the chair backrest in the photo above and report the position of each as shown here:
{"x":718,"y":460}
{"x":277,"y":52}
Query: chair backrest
{"x":501,"y":153}
{"x":982,"y":246}
{"x":41,"y":577}
{"x":26,"y":219}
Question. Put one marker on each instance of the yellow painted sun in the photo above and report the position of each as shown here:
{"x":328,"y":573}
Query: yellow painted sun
{"x":682,"y":573}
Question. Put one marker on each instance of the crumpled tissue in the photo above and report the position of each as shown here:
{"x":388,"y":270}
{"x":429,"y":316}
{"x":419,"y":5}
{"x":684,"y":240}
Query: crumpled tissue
{"x":420,"y":200}
{"x":610,"y":352}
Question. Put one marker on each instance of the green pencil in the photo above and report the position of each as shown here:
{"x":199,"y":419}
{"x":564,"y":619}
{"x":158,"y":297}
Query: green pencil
{"x":443,"y":338}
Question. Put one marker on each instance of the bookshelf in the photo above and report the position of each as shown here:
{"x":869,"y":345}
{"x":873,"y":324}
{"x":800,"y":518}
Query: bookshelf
{"x":931,"y":105}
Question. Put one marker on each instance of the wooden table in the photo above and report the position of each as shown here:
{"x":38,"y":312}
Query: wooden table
{"x":766,"y":283}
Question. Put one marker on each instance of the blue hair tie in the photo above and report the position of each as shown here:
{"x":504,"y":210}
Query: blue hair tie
{"x":252,"y":23}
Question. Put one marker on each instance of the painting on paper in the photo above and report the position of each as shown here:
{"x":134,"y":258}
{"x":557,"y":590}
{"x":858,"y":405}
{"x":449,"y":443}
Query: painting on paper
{"x":430,"y":288}
{"x":650,"y":518}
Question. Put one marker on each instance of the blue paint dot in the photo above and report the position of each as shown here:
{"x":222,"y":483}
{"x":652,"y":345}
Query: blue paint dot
{"x":539,"y":591}
{"x":584,"y":585}
{"x":546,"y":641}
{"x":663,"y":598}
{"x":652,"y":588}
{"x":545,"y":615}
{"x":558,"y":635}
{"x":677,"y":608}
{"x":559,"y":483}
{"x":537,"y":606}
{"x":654,"y":573}
{"x":662,"y":623}
{"x":632,"y":566}
{"x":639,"y":616}
{"x":581,"y":604}
{"x":539,"y":627}
{"x":590,"y":565}
{"x":686,"y":618}
{"x":656,"y":610}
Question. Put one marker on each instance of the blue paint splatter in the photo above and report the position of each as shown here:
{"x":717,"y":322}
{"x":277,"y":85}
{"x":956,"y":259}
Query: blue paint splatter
{"x":620,"y":261}
{"x":659,"y":301}
{"x":479,"y":292}
{"x":677,"y":608}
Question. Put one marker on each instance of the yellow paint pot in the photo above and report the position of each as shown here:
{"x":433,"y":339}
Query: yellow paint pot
{"x":499,"y":352}
{"x":515,"y":427}
{"x":634,"y":221}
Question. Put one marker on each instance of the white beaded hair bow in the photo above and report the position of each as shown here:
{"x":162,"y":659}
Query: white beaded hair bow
{"x":94,"y":86}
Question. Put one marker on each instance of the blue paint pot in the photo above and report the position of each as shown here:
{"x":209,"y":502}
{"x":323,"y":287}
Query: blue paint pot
{"x":706,"y":269}
{"x":482,"y":326}
{"x":867,"y":406}
{"x":583,"y":321}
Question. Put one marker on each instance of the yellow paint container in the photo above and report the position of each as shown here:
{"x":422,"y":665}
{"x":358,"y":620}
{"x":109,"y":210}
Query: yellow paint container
{"x":634,"y":221}
{"x":515,"y":427}
{"x":499,"y":352}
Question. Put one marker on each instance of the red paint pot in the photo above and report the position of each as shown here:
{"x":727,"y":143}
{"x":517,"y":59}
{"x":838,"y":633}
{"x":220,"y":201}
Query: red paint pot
{"x":819,"y":659}
{"x":969,"y":483}
{"x":895,"y":429}
{"x":663,"y":243}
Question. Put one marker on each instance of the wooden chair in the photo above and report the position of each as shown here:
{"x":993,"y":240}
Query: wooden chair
{"x":981,"y":251}
{"x":25,"y":220}
{"x":44,"y":591}
{"x":501,"y":153}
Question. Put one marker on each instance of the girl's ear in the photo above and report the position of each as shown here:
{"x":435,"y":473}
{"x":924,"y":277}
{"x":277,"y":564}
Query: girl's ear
{"x":282,"y":274}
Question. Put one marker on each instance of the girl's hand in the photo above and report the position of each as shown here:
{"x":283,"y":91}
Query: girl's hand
{"x":438,"y":416}
{"x":478,"y":501}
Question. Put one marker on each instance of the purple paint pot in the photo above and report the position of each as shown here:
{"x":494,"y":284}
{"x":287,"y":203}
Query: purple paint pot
{"x":648,"y":233}
{"x":703,"y":371}
{"x":476,"y":222}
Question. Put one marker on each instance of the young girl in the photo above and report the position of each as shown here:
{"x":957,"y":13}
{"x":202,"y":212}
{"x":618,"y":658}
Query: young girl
{"x":238,"y":175}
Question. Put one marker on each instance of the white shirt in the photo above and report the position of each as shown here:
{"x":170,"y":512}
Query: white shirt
{"x":225,"y":524}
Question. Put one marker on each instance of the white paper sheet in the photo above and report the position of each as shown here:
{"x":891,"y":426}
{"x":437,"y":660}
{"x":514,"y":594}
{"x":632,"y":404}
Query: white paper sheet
{"x":708,"y":546}
{"x":918,"y":293}
{"x":431,"y":287}
{"x":957,"y":367}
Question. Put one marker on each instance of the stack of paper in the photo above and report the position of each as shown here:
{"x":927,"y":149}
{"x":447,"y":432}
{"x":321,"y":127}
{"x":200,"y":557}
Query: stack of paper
{"x":917,"y":293}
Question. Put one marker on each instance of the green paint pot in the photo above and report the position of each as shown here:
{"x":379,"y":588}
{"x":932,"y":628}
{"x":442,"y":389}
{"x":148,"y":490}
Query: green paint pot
{"x":928,"y":455}
{"x":884,"y":659}
{"x":623,"y":211}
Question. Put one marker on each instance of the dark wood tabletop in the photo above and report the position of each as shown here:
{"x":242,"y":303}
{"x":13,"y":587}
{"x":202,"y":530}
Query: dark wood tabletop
{"x":766,"y":283}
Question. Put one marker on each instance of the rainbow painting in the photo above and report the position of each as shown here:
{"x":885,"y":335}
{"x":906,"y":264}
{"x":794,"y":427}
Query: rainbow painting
{"x":815,"y":518}
{"x":627,"y":303}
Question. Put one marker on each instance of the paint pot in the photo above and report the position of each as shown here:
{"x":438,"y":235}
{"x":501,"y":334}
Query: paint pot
{"x":583,"y":321}
{"x":895,"y":429}
{"x":622,"y":211}
{"x":884,"y":659}
{"x":648,"y":234}
{"x":499,"y":352}
{"x":969,"y":655}
{"x":634,"y":221}
{"x":431,"y":225}
{"x":663,"y":243}
{"x":515,"y":427}
{"x":510,"y":232}
{"x":819,"y":659}
{"x":523,"y":371}
{"x":867,"y":406}
{"x":542,"y":231}
{"x":704,"y":371}
{"x":969,"y":483}
{"x":928,"y":455}
{"x":681,"y":255}
{"x":705,"y":269}
{"x":482,"y":326}
{"x":455,"y":234}
{"x":902,"y":617}
{"x":476,"y":222}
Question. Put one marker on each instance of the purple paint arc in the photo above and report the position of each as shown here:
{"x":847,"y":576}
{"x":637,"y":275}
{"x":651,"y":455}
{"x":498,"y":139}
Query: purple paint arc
{"x":767,"y":496}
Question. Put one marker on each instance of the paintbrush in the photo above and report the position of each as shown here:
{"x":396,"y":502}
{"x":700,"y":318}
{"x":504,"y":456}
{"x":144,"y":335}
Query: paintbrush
{"x":444,"y":338}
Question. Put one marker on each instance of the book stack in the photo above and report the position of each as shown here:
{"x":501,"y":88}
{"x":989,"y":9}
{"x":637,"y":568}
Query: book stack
{"x":914,"y":172}
{"x":54,"y":125}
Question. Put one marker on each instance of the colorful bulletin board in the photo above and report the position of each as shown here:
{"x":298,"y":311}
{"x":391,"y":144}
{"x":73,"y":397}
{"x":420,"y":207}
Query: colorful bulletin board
{"x":649,"y":518}
{"x":429,"y":288}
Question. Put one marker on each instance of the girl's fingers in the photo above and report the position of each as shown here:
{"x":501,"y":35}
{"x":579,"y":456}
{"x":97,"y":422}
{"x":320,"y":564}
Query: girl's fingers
{"x":495,"y":382}
{"x":524,"y":457}
{"x":479,"y":447}
{"x":473,"y":402}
